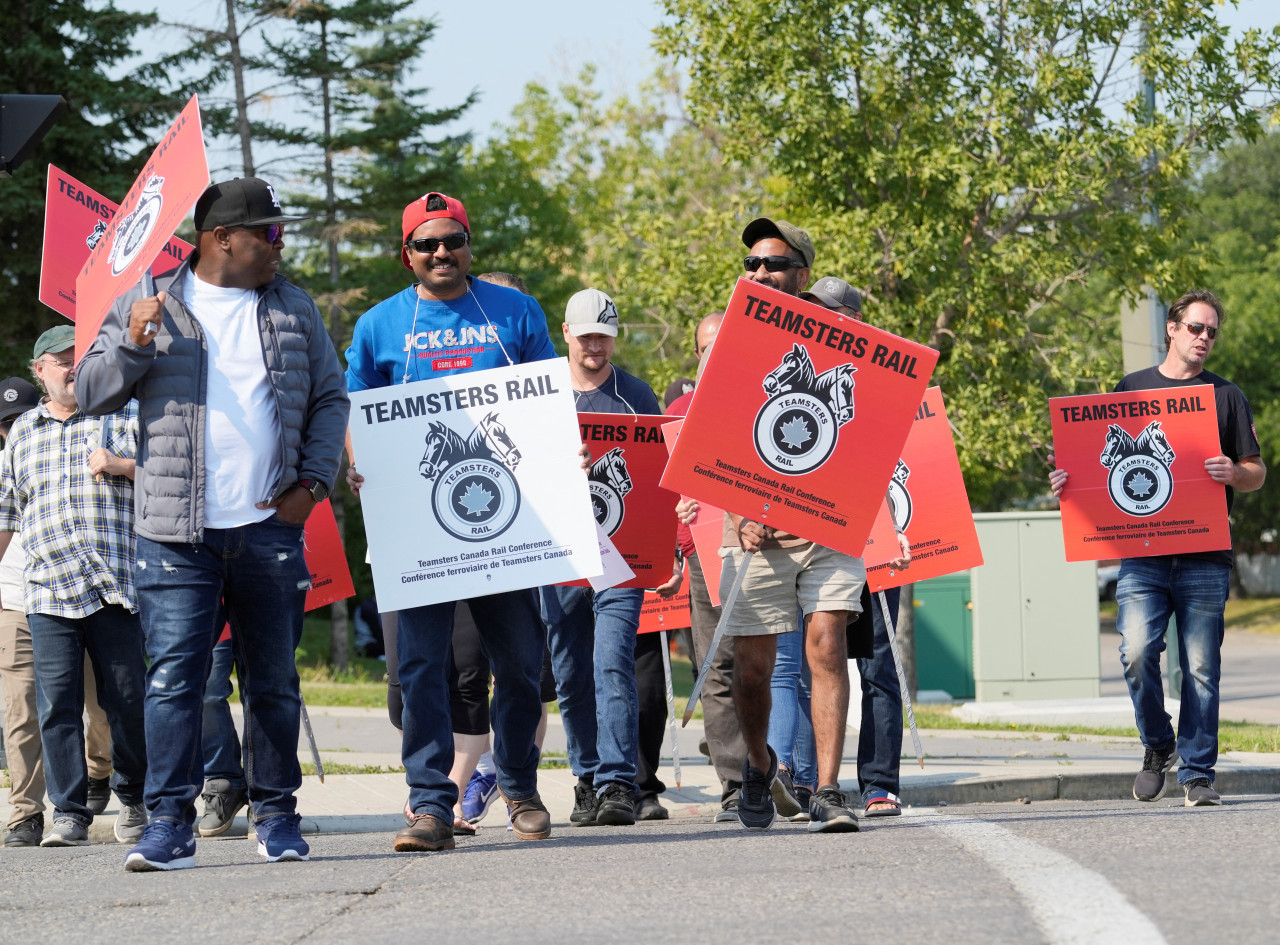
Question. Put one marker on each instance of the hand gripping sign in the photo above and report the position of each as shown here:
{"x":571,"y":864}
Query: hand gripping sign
{"x":170,"y":183}
{"x":76,"y":218}
{"x":1138,"y":485}
{"x":635,"y":512}
{"x":929,"y":503}
{"x":799,"y":418}
{"x":472,"y":485}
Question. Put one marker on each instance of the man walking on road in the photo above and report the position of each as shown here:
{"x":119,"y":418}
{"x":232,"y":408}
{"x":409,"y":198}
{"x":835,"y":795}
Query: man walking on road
{"x":243,"y":411}
{"x":1191,"y":587}
{"x":67,"y":486}
{"x":592,"y":635}
{"x":788,"y":573}
{"x":448,"y":323}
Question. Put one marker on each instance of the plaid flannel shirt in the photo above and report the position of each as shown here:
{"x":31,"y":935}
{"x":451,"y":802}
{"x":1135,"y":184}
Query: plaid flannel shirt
{"x":77,"y":532}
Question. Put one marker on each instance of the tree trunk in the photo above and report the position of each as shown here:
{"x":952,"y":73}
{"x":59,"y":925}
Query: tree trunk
{"x":242,"y":105}
{"x":907,"y":636}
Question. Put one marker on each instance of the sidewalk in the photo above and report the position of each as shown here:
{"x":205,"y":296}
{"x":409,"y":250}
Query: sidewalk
{"x":960,"y":767}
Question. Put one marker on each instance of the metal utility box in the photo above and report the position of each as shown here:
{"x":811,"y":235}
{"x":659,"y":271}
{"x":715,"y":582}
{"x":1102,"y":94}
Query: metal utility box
{"x":944,"y":635}
{"x":1035,"y":615}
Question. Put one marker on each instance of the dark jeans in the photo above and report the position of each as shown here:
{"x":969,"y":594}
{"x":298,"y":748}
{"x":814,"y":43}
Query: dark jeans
{"x":512,"y":639}
{"x":880,"y":737}
{"x":220,"y":741}
{"x":113,"y":639}
{"x":260,"y":573}
{"x":651,"y":687}
{"x":1149,"y":592}
{"x":592,"y":638}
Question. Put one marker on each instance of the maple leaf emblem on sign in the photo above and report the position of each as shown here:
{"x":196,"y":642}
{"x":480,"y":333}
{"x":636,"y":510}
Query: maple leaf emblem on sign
{"x":476,"y":499}
{"x":1140,"y":485}
{"x":795,"y":433}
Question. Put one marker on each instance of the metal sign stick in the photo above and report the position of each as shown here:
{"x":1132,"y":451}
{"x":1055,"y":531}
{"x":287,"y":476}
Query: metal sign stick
{"x":902,"y":676}
{"x":725,"y":610}
{"x":311,"y":737}
{"x":671,"y":706}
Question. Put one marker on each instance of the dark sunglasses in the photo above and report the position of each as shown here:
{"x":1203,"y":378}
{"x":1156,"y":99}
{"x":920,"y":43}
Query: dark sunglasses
{"x":1196,"y":328}
{"x":429,"y":244}
{"x":771,"y":263}
{"x":273,"y":230}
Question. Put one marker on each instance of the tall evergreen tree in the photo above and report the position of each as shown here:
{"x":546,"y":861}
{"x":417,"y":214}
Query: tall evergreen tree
{"x":69,"y":48}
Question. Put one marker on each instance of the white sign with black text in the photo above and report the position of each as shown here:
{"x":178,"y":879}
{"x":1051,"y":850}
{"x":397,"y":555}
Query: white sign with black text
{"x":473,"y":485}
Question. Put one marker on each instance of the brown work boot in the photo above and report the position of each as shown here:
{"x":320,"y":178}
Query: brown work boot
{"x":529,"y":818}
{"x":425,"y":833}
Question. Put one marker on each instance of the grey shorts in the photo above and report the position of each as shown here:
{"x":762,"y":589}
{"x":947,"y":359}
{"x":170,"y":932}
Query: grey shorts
{"x":779,"y":581}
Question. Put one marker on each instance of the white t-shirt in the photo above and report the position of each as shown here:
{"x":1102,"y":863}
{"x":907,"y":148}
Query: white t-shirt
{"x":242,"y":443}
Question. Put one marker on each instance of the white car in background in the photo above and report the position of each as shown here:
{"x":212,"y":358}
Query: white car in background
{"x":1108,"y":575}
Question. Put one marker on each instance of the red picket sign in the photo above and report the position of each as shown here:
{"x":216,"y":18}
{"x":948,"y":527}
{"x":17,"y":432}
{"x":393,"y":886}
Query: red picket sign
{"x":170,"y":183}
{"x":707,"y":529}
{"x":635,"y":512}
{"x":326,"y":559}
{"x":799,"y":417}
{"x":666,"y":613}
{"x":1138,"y":485}
{"x":929,"y":503}
{"x":76,"y":217}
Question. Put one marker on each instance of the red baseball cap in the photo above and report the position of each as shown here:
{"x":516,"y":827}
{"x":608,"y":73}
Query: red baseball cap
{"x":429,"y":207}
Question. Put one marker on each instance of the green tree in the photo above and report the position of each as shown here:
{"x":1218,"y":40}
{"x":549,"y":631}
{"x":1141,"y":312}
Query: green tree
{"x":72,"y":49}
{"x":1238,"y":233}
{"x":972,"y":162}
{"x":630,"y":196}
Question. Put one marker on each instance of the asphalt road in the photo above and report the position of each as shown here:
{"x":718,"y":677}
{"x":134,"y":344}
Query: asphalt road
{"x":1105,"y":872}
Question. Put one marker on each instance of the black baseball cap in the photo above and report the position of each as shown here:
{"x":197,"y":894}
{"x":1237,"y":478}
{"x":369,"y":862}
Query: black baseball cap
{"x":16,"y":397}
{"x":245,"y":201}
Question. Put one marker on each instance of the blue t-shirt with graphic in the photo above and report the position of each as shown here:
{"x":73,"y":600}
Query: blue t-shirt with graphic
{"x":407,"y":338}
{"x":620,"y":393}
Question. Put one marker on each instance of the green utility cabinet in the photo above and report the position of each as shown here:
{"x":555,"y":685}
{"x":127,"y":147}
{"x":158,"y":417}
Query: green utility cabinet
{"x":1035,"y":615}
{"x":944,"y":635}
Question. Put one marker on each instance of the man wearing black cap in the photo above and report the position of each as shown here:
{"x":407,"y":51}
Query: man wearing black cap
{"x":448,"y":323}
{"x":243,"y":412}
{"x":66,"y":486}
{"x":788,"y":572}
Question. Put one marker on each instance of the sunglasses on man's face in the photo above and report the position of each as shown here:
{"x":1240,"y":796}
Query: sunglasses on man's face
{"x":429,"y":244}
{"x":771,"y":263}
{"x":1197,"y":329}
{"x":272,"y":231}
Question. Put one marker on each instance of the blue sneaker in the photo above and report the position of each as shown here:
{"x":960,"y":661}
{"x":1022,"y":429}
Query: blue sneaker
{"x":280,"y":839}
{"x":165,"y":845}
{"x":481,"y":792}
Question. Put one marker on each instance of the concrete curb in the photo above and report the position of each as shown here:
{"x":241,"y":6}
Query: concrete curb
{"x":1076,"y":787}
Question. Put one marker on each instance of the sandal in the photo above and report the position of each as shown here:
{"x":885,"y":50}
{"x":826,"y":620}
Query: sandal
{"x":880,"y":803}
{"x":463,"y":828}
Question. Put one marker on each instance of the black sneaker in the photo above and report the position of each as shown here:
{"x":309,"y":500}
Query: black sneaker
{"x":585,"y":804}
{"x":784,"y":794}
{"x":728,"y":813}
{"x":756,"y":810}
{"x":802,"y":794}
{"x":28,"y":833}
{"x":99,"y":794}
{"x":617,"y":807}
{"x":829,"y":812}
{"x":1200,"y":793}
{"x":1152,"y":781}
{"x":650,"y":808}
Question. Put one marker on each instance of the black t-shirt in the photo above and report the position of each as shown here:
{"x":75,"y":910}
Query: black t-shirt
{"x":1236,"y":435}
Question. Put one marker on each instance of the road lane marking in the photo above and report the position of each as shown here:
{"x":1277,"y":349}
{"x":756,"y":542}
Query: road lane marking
{"x":1072,"y":904}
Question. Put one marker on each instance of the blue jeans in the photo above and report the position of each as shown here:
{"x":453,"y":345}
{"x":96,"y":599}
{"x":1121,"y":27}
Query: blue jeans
{"x":112,"y":637}
{"x":511,"y":638}
{"x":1148,"y":592}
{"x":220,"y":743}
{"x":880,"y":735}
{"x":592,"y":638}
{"x":256,"y":577}
{"x":790,"y":722}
